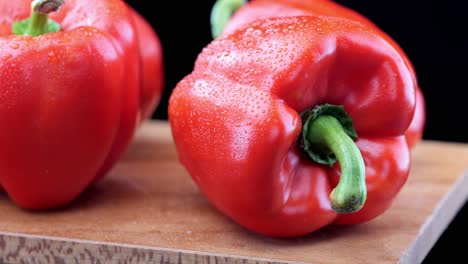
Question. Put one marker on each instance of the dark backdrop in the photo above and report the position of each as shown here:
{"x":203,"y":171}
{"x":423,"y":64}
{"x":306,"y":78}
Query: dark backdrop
{"x":433,"y":34}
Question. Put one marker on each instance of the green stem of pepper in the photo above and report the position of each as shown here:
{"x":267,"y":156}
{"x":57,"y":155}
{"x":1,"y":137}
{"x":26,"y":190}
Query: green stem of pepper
{"x":38,"y":23}
{"x":329,"y":137}
{"x":221,"y":13}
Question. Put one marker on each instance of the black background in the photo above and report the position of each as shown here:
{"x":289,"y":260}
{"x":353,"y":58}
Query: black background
{"x":433,"y":34}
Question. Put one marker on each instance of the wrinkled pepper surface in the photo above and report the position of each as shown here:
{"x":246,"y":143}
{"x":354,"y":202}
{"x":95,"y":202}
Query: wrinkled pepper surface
{"x":275,"y":8}
{"x":73,"y":82}
{"x":297,"y":117}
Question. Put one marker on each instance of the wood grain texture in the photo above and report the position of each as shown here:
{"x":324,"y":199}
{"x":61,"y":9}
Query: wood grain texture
{"x":149,"y":211}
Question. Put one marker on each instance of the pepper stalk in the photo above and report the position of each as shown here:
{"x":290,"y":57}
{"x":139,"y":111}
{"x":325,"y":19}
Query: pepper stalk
{"x":328,"y":136}
{"x":221,"y":13}
{"x":38,"y":22}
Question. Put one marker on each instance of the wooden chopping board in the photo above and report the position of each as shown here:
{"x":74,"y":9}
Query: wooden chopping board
{"x":148,"y":210}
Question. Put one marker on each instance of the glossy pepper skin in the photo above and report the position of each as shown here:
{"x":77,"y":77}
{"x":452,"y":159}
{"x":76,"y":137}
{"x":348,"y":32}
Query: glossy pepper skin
{"x":152,"y":68}
{"x":415,"y":131}
{"x":261,"y":9}
{"x":151,"y":85}
{"x":236,"y":118}
{"x":70,"y":99}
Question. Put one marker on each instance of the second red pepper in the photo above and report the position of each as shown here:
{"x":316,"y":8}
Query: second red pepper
{"x":271,"y":105}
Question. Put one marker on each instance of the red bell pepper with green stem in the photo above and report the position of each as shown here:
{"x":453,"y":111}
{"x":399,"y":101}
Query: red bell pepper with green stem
{"x":292,"y":123}
{"x":69,"y":93}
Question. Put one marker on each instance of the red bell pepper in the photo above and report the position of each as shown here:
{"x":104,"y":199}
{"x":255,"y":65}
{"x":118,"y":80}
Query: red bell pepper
{"x":272,"y":104}
{"x":70,"y":95}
